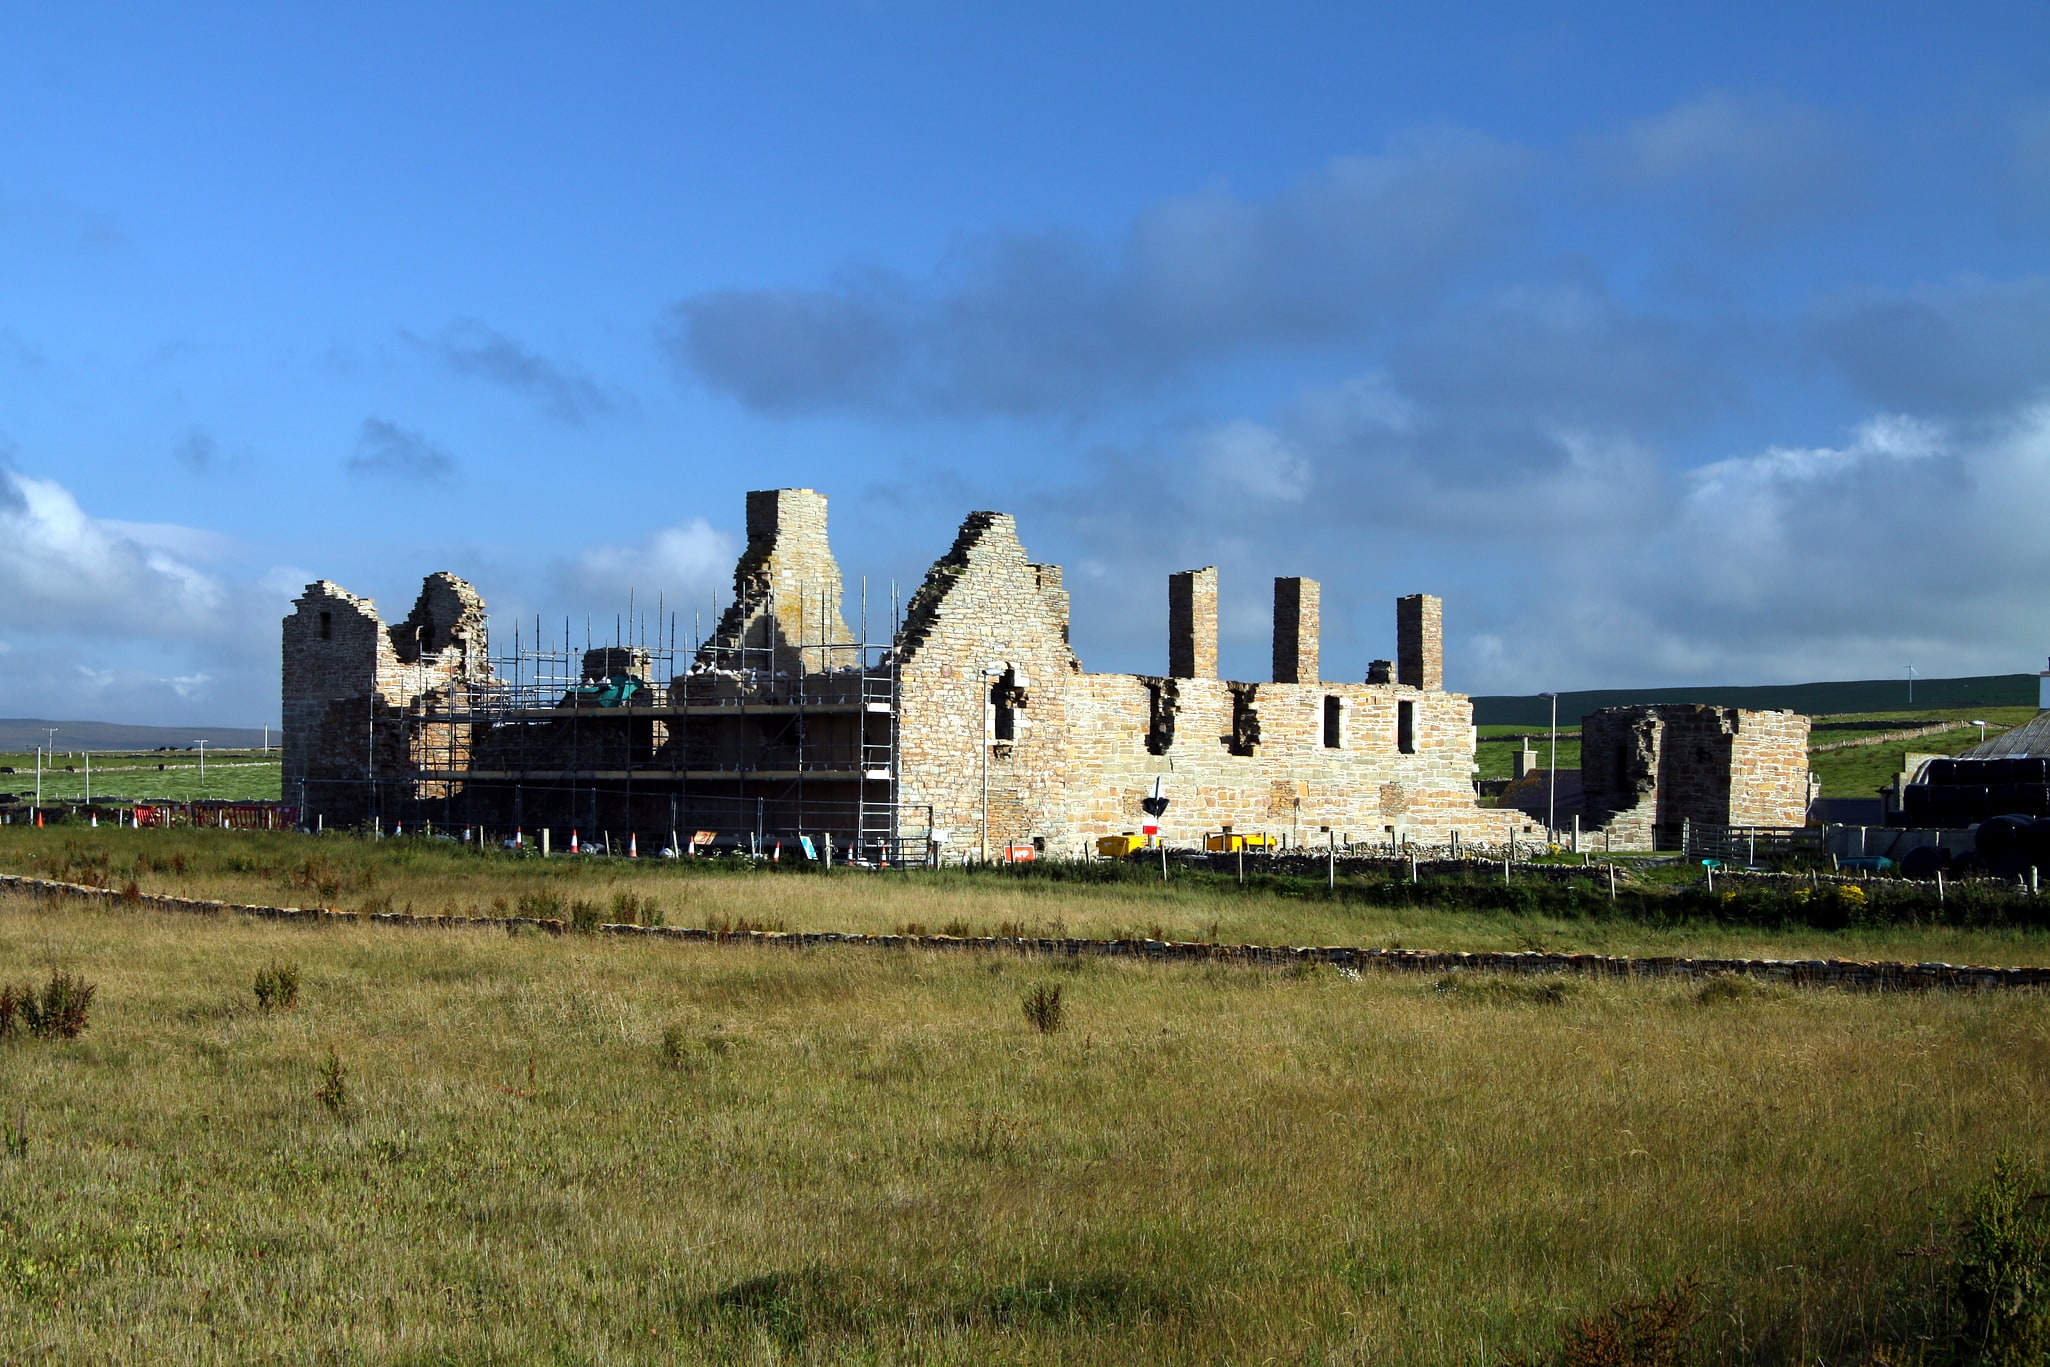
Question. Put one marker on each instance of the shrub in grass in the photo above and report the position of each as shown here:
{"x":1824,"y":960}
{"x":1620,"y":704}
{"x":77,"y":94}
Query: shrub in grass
{"x":633,"y":909}
{"x":541,"y":905}
{"x":1650,"y":1332}
{"x":584,"y":917}
{"x":1043,"y":1007}
{"x":332,"y":1090}
{"x":277,"y":986}
{"x":2001,"y":1270}
{"x":58,"y":1011}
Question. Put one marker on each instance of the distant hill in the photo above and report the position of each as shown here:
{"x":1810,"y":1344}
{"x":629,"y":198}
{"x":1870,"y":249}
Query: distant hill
{"x":1815,"y":699}
{"x":21,"y":734}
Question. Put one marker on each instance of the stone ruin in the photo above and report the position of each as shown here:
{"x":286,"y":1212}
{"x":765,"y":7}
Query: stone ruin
{"x":1646,"y":771}
{"x":972,"y":730}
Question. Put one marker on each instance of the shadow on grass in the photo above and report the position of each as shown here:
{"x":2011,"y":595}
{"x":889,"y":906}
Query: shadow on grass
{"x":817,"y":1302}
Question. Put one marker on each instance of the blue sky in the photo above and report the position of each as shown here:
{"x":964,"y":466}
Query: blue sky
{"x":1670,"y":344}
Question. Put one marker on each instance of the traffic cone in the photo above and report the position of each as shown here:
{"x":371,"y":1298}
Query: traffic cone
{"x":775,"y":858}
{"x":633,"y":846}
{"x":95,"y":820}
{"x":573,"y":840}
{"x":519,"y":838}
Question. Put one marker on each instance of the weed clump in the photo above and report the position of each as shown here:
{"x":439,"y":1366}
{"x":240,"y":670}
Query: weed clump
{"x":1043,"y":1007}
{"x":584,"y":917}
{"x":1548,"y":991}
{"x":60,"y":1010}
{"x":1648,"y":1332}
{"x":332,"y":1090}
{"x":635,"y":909}
{"x":1730,"y":987}
{"x":277,"y":987}
{"x":2001,"y":1271}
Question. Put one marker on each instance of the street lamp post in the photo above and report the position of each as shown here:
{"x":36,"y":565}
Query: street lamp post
{"x":1982,"y":730}
{"x":1911,"y":684}
{"x":202,"y":768}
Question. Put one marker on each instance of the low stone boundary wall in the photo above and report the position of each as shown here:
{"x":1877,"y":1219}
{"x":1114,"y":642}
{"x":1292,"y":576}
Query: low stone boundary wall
{"x":1911,"y":733}
{"x":1850,"y":973}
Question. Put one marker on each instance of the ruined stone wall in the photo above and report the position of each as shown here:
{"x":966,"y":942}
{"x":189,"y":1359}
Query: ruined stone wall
{"x":1192,"y":624}
{"x":985,"y":606}
{"x":1420,"y":641}
{"x":348,"y":682}
{"x":1292,"y":783}
{"x":1297,"y":636}
{"x":786,"y":592}
{"x":1088,"y":747}
{"x":1649,"y":769}
{"x":1769,"y":770}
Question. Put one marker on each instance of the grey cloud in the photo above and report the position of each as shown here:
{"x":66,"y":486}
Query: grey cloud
{"x":1564,"y":354}
{"x":782,"y":350}
{"x":1967,"y":349}
{"x":1752,"y":164}
{"x":1017,"y":323}
{"x":473,"y":350}
{"x":386,"y":450}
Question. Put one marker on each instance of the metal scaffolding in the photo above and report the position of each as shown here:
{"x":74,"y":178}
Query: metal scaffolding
{"x":674,"y":739}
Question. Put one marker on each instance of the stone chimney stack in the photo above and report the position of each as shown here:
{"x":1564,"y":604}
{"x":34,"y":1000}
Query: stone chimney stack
{"x":1420,"y":642}
{"x":1295,"y":631}
{"x":1192,"y":624}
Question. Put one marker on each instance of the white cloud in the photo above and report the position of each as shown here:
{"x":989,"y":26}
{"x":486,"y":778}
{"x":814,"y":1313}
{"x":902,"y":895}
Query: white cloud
{"x":686,"y":563}
{"x":1244,"y":458}
{"x":62,"y":569}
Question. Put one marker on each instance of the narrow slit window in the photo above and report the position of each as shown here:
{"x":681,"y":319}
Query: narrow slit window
{"x":327,"y":626}
{"x":1405,"y":727}
{"x":1334,"y":723}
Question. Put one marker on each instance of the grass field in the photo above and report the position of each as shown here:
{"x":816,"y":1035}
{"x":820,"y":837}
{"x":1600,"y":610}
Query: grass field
{"x":1863,"y":770}
{"x":582,"y":1150}
{"x":169,"y":776}
{"x":432,"y":877}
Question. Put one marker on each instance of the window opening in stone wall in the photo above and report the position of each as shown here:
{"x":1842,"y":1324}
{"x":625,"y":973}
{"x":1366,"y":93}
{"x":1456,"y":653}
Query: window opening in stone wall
{"x":1004,"y":725}
{"x":1164,"y":700}
{"x":1245,"y":721}
{"x":1405,"y":727}
{"x":1334,"y":722}
{"x":327,"y":626}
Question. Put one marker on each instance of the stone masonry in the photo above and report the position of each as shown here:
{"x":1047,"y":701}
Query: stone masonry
{"x":1420,"y":642}
{"x":349,"y":682}
{"x":1295,"y":631}
{"x":1192,"y":624}
{"x":787,"y":585}
{"x":999,"y":737}
{"x":1646,"y":769}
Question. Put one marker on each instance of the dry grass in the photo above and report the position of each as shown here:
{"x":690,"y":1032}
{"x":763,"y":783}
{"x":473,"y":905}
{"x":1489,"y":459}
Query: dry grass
{"x":589,"y":1151}
{"x":432,"y":878}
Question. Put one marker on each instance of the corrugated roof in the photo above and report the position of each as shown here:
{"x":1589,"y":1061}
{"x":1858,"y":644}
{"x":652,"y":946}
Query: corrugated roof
{"x":2030,"y":740}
